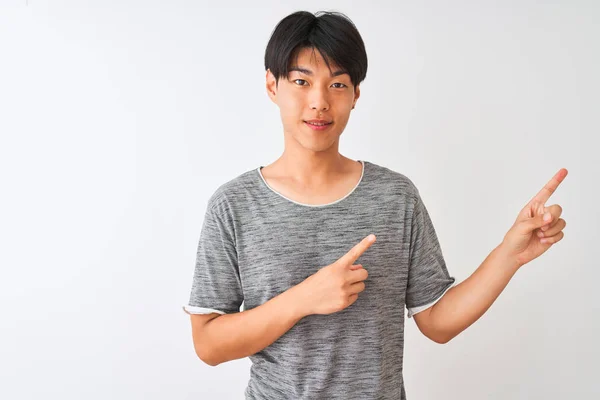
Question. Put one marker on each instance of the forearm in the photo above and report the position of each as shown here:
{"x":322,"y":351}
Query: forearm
{"x":463,"y":304}
{"x":239,"y":335}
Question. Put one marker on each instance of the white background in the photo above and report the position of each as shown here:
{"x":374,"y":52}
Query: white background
{"x":119,"y":119}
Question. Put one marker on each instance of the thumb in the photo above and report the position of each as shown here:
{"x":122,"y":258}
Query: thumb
{"x":537,"y":221}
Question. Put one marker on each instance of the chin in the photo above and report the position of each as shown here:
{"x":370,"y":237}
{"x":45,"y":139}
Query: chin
{"x":316,"y":144}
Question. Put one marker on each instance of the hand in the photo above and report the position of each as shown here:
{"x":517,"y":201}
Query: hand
{"x":531,"y":235}
{"x":336,"y":286}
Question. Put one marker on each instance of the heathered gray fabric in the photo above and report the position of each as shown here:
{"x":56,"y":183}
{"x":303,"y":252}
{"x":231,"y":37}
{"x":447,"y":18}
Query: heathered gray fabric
{"x":256,"y":244}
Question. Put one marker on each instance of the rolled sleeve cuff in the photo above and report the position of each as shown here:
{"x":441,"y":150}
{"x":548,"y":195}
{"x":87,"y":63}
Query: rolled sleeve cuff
{"x":414,"y":310}
{"x":200,"y":310}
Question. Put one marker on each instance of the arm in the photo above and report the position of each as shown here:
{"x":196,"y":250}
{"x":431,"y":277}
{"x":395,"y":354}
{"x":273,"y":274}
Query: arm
{"x":232,"y":336}
{"x":463,"y":304}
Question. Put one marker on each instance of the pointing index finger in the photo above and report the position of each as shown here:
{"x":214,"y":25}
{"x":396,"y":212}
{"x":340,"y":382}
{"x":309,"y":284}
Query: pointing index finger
{"x":550,"y":187}
{"x":357,"y":250}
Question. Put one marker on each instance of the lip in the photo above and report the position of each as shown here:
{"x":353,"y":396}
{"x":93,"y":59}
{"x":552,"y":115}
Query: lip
{"x":318,"y":121}
{"x":318,"y":128}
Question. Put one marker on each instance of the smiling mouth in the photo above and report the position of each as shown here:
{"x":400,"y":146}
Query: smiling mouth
{"x":318,"y":124}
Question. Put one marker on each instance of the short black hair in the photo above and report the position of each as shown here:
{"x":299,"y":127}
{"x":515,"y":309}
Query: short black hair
{"x":332,"y":33}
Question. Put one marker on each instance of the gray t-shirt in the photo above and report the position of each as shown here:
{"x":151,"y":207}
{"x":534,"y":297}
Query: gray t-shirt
{"x":255,"y":244}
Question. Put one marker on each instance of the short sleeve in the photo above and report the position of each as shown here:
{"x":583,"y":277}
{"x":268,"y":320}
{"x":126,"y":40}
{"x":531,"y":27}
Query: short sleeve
{"x":428,"y":277}
{"x":216,"y":285}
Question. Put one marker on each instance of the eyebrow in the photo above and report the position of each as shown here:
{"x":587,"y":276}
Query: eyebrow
{"x":310,"y":73}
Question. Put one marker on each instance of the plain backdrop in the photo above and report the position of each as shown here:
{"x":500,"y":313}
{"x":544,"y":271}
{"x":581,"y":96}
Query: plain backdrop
{"x":119,"y":119}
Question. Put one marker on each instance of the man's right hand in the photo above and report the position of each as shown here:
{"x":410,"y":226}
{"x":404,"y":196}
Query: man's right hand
{"x":336,"y":286}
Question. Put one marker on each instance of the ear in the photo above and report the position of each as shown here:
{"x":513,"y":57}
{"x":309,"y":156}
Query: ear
{"x":356,"y":95}
{"x":271,"y":85}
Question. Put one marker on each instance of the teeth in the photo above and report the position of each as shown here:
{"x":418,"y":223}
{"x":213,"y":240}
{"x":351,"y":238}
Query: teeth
{"x":316,"y":124}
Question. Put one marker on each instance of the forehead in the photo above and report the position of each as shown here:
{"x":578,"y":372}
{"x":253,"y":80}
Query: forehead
{"x":311,"y":59}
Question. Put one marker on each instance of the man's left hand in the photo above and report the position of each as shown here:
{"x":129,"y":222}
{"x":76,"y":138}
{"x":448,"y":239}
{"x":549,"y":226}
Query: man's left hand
{"x":531,"y":235}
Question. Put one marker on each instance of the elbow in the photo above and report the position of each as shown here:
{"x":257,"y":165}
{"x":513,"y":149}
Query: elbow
{"x":438,"y":334}
{"x":206,"y":358}
{"x":210,"y":362}
{"x":441,"y":339}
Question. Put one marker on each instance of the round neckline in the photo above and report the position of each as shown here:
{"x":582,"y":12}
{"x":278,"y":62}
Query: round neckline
{"x":362,"y":174}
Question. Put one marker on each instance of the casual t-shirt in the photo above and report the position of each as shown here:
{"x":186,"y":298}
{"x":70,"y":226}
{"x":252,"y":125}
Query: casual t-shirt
{"x":256,"y":243}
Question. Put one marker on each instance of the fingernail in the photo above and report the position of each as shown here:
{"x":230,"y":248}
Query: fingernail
{"x":547,"y":216}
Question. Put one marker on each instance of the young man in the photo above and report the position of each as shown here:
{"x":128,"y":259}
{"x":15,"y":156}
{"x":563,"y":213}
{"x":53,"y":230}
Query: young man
{"x":285,"y":239}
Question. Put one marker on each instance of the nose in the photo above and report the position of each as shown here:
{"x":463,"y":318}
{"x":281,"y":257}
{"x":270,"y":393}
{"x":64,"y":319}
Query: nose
{"x":318,"y":100}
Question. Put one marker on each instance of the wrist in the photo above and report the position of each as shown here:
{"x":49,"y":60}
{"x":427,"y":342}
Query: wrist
{"x":295,"y":302}
{"x":510,"y":260}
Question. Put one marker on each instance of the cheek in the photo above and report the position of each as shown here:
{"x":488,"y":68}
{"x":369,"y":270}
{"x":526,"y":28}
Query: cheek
{"x":290,"y":107}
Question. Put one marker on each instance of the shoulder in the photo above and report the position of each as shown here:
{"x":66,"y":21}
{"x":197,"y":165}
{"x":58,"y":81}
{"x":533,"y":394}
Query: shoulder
{"x":226,"y":196}
{"x":397,"y":183}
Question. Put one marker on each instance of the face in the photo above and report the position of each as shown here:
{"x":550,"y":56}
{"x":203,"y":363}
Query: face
{"x":309,"y":89}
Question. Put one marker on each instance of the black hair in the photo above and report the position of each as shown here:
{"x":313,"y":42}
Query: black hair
{"x":332,"y":33}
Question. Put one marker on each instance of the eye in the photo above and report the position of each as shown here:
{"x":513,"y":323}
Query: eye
{"x":337,"y":83}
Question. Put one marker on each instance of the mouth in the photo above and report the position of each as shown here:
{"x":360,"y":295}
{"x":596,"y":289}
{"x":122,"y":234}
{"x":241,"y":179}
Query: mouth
{"x":318,"y":126}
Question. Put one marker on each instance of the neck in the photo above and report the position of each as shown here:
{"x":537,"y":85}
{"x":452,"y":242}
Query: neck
{"x":312,"y":167}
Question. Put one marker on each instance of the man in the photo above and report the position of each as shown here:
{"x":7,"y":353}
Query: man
{"x":285,"y":238}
